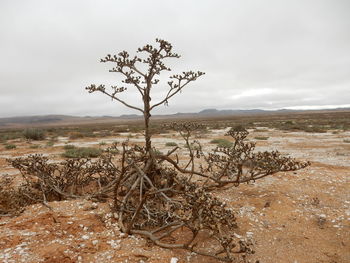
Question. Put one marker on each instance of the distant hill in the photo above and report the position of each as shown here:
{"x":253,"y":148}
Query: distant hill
{"x":130,"y":116}
{"x":49,"y":120}
{"x":231,"y":112}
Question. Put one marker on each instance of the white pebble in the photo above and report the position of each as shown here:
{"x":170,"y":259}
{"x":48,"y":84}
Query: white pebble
{"x":85,"y":237}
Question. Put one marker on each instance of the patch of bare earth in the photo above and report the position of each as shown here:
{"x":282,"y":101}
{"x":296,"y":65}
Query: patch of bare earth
{"x":296,"y":217}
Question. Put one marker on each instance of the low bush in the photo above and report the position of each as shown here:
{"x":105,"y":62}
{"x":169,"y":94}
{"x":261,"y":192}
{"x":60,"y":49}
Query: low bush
{"x":10,"y":146}
{"x":261,"y":130}
{"x":82,"y":152}
{"x":222,"y":143}
{"x":76,"y":135}
{"x":68,"y":146}
{"x":261,"y":138}
{"x":12,"y":200}
{"x":238,"y":127}
{"x":34,"y":134}
{"x":317,"y":129}
{"x":10,"y":135}
{"x":50,"y":143}
{"x":103,"y":133}
{"x":171,"y":144}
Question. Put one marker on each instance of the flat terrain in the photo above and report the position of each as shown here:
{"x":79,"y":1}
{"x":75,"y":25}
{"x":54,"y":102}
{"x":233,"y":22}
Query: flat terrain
{"x":296,"y":217}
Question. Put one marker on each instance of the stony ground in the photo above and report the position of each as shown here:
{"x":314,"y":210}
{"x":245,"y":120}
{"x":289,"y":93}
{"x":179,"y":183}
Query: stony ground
{"x":296,"y":217}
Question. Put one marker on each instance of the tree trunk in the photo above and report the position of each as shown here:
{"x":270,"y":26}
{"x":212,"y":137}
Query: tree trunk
{"x":147,"y":116}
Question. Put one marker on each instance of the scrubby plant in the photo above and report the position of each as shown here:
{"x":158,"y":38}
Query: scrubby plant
{"x":68,"y":147}
{"x":238,"y":127}
{"x":222,"y":143}
{"x":50,"y":143}
{"x":315,"y":129}
{"x":10,"y":135}
{"x":76,"y":135}
{"x":12,"y":200}
{"x":171,"y":144}
{"x":261,"y":138}
{"x":155,"y":195}
{"x":261,"y":130}
{"x":10,"y":146}
{"x":82,"y":152}
{"x":34,"y":134}
{"x":113,"y":149}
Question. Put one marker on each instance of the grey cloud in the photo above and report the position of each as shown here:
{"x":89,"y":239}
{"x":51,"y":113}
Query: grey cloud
{"x":297,"y":50}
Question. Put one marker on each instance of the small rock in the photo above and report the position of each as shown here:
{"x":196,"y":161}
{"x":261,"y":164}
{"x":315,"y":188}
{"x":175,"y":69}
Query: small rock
{"x":237,"y":236}
{"x":249,"y":234}
{"x":123,"y":235}
{"x":321,"y":220}
{"x":114,"y":244}
{"x":174,"y":260}
{"x":85,"y":237}
{"x":322,"y":216}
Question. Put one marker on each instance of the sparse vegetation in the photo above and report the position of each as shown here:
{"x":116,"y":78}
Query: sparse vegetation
{"x":10,"y":146}
{"x":50,"y":143}
{"x":222,"y":143}
{"x":238,"y":128}
{"x":7,"y":135}
{"x":82,"y":152}
{"x":261,"y":138}
{"x":260,"y":130}
{"x":12,"y":200}
{"x":76,"y":135}
{"x":34,"y":134}
{"x":171,"y":144}
{"x":68,"y":147}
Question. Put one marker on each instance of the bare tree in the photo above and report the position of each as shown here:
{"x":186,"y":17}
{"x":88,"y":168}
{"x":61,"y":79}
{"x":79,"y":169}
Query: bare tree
{"x":144,"y":81}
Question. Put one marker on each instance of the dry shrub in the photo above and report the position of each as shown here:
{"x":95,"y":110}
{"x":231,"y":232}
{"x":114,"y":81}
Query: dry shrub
{"x":12,"y":199}
{"x":34,"y":134}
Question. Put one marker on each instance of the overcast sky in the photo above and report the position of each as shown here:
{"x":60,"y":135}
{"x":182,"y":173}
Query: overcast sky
{"x":256,"y":54}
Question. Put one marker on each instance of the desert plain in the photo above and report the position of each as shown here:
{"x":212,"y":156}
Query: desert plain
{"x":299,"y":216}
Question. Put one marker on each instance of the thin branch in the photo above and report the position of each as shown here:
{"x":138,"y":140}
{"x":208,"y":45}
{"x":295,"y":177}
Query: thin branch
{"x":121,"y":101}
{"x":168,"y":96}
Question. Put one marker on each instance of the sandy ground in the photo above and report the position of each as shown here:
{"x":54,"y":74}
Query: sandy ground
{"x":296,"y":217}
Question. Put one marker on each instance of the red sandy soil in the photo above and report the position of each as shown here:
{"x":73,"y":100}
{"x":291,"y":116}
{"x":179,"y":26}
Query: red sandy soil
{"x":293,"y":217}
